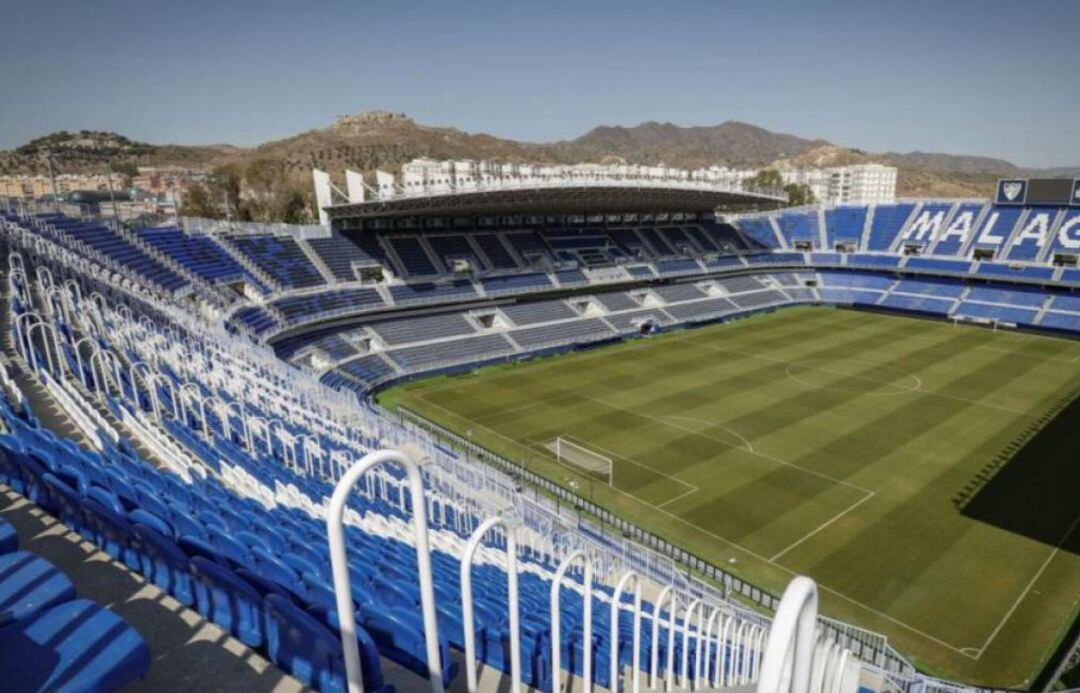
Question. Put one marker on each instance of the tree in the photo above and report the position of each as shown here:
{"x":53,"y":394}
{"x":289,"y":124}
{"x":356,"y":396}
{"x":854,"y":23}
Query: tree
{"x":224,"y":189}
{"x":293,"y":208}
{"x":799,"y":194}
{"x":196,"y":202}
{"x":765,"y":179}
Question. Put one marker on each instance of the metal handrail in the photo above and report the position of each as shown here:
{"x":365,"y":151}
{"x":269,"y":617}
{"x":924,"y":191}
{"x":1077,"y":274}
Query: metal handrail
{"x":790,"y":649}
{"x":616,"y":604}
{"x":556,"y":621}
{"x":335,"y":529}
{"x":512,"y":603}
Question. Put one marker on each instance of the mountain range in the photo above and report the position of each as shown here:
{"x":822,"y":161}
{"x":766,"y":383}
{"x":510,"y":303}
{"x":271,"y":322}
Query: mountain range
{"x":380,"y":139}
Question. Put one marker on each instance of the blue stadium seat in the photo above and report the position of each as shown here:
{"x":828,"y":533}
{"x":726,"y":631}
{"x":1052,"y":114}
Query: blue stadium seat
{"x":29,"y":584}
{"x":281,"y":258}
{"x":9,"y":538}
{"x":844,"y":225}
{"x":76,"y":646}
{"x":164,"y":564}
{"x":225,"y":598}
{"x":305,"y":647}
{"x":198,"y":253}
{"x":887,"y":222}
{"x":113,"y":532}
{"x":399,"y":634}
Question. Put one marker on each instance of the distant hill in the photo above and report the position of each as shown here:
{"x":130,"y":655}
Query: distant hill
{"x":381,"y":139}
{"x":731,"y":143}
{"x":385,"y":140}
{"x":88,"y":150}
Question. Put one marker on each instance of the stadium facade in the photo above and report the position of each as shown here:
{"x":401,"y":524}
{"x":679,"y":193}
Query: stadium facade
{"x":245,"y":357}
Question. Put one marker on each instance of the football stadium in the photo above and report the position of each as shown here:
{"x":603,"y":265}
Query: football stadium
{"x":686,"y":346}
{"x":716,"y":438}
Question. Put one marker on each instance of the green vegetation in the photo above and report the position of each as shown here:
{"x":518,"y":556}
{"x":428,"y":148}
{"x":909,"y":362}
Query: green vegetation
{"x":91,"y":141}
{"x":262,"y":190}
{"x":770,"y":179}
{"x":765,"y":179}
{"x":925,"y":475}
{"x":799,"y":194}
{"x":126,"y":168}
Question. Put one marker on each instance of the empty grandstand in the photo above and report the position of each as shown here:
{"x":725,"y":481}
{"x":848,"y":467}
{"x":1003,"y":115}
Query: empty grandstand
{"x":215,"y":464}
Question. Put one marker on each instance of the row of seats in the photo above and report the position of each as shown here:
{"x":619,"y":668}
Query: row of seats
{"x":153,"y":524}
{"x":279,"y":257}
{"x":51,"y":640}
{"x":1031,"y":234}
{"x":1020,"y":305}
{"x":423,"y":343}
{"x":97,"y":241}
{"x":199,"y":254}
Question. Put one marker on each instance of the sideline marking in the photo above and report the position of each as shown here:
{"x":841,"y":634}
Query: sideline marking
{"x":1023,"y":595}
{"x":825,"y":524}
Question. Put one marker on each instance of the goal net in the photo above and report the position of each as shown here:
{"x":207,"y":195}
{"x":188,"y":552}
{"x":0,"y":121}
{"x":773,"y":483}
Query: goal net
{"x":986,"y":323}
{"x":574,"y":454}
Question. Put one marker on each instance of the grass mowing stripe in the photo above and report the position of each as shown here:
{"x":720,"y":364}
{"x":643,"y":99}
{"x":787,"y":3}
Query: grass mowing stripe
{"x":905,"y":561}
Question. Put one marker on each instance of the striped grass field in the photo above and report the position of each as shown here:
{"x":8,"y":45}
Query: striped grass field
{"x":926,"y":475}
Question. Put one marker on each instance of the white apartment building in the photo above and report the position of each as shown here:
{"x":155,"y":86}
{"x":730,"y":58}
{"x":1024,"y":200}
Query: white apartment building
{"x":36,"y":186}
{"x":431,"y":174}
{"x":857,"y":184}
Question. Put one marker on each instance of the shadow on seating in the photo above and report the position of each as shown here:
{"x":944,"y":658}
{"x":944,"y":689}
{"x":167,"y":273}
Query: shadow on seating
{"x":188,"y":653}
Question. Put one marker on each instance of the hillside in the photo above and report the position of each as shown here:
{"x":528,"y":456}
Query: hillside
{"x":387,"y":140}
{"x":89,"y":151}
{"x":731,"y":143}
{"x":380,"y":139}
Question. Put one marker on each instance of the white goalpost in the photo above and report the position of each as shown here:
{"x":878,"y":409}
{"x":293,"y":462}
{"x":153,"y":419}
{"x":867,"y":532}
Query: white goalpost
{"x":575,"y":454}
{"x":989,"y":323}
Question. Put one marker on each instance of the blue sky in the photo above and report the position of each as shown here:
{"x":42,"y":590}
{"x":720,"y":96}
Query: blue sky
{"x":993,"y":78}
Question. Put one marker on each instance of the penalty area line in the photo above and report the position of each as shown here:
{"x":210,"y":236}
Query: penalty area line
{"x":678,"y":497}
{"x":823,"y":525}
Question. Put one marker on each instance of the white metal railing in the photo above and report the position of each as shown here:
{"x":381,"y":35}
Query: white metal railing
{"x":216,"y":227}
{"x":335,"y":528}
{"x":578,"y":556}
{"x":512,"y":603}
{"x":796,"y":659}
{"x":616,"y":606}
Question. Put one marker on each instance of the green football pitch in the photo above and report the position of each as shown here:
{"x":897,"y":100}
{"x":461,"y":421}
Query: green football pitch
{"x":926,"y":475}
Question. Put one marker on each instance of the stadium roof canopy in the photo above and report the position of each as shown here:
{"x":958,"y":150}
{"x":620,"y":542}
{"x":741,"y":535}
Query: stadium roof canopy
{"x":560,"y":199}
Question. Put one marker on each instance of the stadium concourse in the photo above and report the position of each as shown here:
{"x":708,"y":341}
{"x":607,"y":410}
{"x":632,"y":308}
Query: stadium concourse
{"x":449,"y":562}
